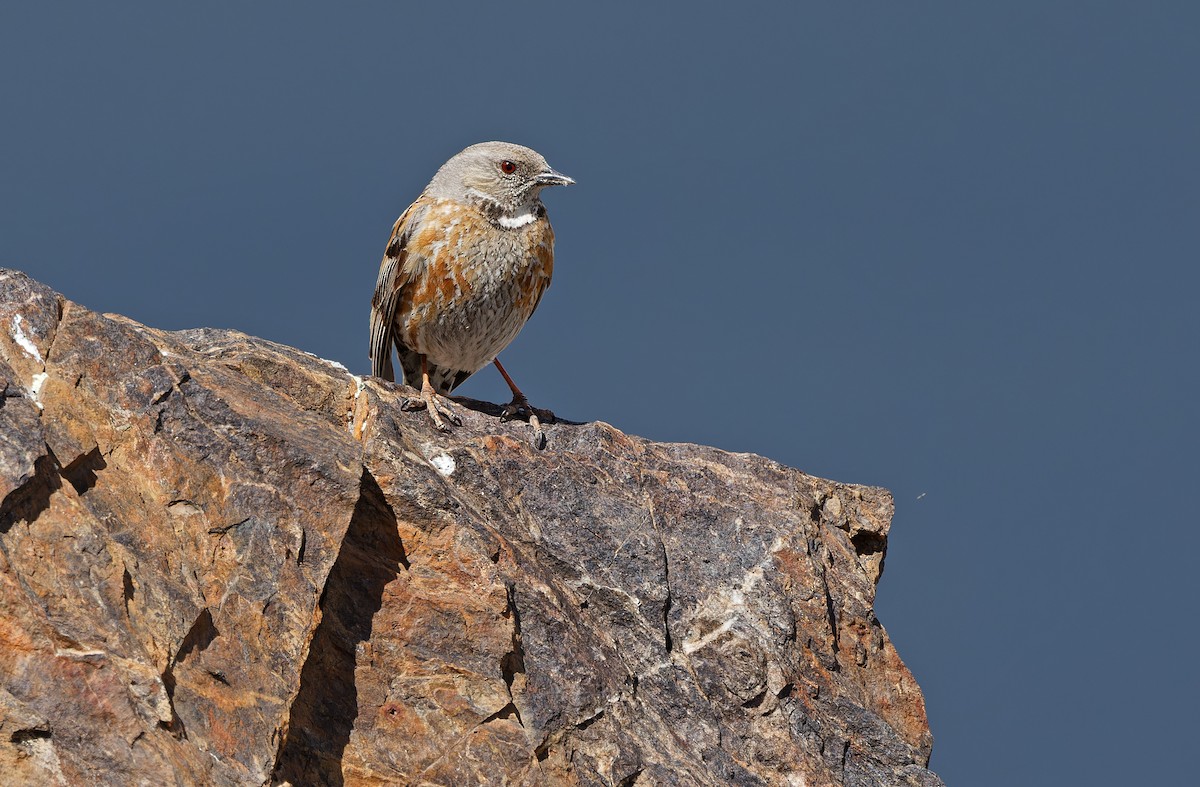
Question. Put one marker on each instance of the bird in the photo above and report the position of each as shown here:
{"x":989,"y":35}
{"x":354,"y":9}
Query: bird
{"x":464,"y":269}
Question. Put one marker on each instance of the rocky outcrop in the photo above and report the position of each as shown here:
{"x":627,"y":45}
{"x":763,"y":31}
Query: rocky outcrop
{"x":224,"y":561}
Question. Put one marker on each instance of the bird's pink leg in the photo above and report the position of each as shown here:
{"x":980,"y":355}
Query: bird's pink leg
{"x":433,"y":403}
{"x":520,"y":404}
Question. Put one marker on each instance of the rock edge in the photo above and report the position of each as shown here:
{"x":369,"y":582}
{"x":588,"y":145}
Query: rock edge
{"x":226,"y":561}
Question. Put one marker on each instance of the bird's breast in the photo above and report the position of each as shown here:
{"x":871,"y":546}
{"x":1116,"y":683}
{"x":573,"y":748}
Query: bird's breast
{"x":474,"y":284}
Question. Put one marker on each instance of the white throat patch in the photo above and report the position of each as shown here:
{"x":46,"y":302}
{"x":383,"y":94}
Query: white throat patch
{"x":520,"y":220}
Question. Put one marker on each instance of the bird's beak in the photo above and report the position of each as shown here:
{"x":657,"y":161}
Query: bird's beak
{"x":552,"y":178}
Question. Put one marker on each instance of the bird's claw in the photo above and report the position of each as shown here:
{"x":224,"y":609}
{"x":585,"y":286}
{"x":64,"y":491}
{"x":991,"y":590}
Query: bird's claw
{"x":436,"y":408}
{"x":521,"y":408}
{"x":440,"y":409}
{"x":538,"y":439}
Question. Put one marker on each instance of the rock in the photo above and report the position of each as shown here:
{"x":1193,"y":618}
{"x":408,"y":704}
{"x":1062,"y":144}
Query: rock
{"x":224,"y":561}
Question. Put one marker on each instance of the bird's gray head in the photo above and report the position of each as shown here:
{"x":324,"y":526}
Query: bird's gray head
{"x":506,"y":176}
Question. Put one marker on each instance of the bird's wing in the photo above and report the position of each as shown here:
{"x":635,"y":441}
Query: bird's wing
{"x":395,"y":272}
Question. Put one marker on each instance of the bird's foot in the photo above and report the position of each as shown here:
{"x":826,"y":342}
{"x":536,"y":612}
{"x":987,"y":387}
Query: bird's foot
{"x":520,"y":407}
{"x":436,"y":407}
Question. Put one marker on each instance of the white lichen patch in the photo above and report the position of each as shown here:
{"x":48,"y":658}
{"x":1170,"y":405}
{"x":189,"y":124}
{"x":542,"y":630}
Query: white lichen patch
{"x":356,"y":428}
{"x":334,"y":364}
{"x":444,"y":464}
{"x":439,"y":459}
{"x":35,"y":388}
{"x":23,"y":341}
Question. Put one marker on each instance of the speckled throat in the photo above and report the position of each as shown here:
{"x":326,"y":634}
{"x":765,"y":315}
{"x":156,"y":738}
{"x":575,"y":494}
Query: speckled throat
{"x":509,"y":218}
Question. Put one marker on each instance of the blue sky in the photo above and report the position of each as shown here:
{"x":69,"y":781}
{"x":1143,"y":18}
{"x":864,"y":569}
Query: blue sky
{"x":943,"y":248}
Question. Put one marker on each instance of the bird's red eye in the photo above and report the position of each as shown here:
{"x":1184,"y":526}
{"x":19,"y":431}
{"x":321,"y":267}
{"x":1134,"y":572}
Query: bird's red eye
{"x":507,"y":167}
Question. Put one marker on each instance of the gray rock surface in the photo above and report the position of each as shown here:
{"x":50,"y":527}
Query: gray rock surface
{"x":225,"y":561}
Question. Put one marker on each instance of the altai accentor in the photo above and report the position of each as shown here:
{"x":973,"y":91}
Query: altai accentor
{"x":465,"y":267}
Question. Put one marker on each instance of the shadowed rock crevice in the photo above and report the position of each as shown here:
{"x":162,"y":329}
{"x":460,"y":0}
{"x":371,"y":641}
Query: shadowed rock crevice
{"x":509,"y":711}
{"x":27,"y":502}
{"x":198,"y":638}
{"x":867,"y":543}
{"x":127,"y":589}
{"x":513,"y":662}
{"x":21,"y":736}
{"x":82,"y":473}
{"x":326,"y":706}
{"x":668,"y":642}
{"x":590,"y":720}
{"x":832,"y":618}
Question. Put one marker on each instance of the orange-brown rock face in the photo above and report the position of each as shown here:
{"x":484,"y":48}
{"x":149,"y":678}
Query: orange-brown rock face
{"x":224,"y":561}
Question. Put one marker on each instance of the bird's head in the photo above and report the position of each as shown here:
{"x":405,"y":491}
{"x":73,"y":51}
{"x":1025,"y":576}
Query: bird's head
{"x":507,"y":176}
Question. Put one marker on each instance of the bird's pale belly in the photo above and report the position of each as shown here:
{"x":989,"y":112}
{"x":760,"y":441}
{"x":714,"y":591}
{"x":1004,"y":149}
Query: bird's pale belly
{"x":490,"y":305}
{"x":469,"y":332}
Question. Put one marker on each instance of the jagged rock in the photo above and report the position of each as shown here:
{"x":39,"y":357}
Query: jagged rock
{"x":224,"y":561}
